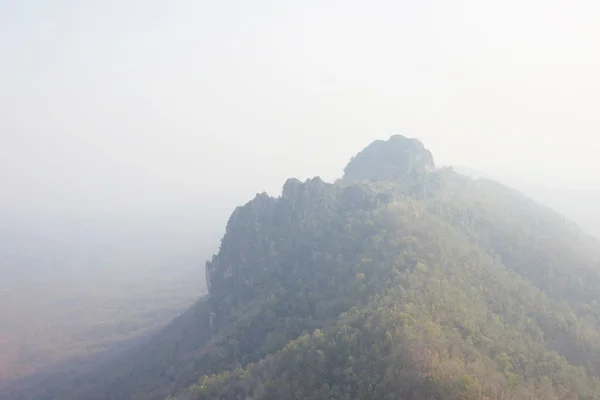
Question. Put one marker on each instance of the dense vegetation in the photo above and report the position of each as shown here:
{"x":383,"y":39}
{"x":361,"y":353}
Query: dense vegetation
{"x":399,"y":281}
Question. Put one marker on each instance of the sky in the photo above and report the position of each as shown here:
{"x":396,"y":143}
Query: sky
{"x":131,"y":106}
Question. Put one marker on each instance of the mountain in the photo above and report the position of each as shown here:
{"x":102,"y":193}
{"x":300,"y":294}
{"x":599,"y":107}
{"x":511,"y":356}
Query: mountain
{"x":579,"y":202}
{"x":398,"y":281}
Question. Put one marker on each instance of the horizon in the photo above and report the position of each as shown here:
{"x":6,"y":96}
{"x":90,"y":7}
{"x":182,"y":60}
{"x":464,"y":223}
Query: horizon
{"x":139,"y":107}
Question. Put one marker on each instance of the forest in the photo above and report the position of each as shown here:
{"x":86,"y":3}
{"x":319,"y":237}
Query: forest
{"x":400,"y":280}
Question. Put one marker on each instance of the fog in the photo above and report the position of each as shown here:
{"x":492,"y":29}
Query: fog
{"x":141,"y":106}
{"x":131,"y":129}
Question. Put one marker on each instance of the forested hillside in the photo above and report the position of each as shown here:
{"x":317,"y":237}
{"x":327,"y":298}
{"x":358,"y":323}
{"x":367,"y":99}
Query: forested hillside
{"x":399,"y":281}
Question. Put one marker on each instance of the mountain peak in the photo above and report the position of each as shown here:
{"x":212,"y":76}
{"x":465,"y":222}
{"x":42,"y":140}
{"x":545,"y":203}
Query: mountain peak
{"x":404,"y":160}
{"x":397,"y":158}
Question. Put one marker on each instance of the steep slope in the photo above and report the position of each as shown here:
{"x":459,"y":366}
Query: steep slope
{"x":397,"y":281}
{"x":483,"y":293}
{"x":453,"y":323}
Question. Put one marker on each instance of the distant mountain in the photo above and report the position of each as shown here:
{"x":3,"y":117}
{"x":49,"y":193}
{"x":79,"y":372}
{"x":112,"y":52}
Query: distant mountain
{"x":580,"y":205}
{"x":399,"y":281}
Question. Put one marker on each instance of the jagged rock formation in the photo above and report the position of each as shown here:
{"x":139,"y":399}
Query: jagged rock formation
{"x":257,"y":241}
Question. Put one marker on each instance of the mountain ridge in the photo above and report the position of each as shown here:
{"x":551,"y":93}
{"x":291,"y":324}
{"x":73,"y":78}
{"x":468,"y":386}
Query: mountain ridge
{"x":400,"y":280}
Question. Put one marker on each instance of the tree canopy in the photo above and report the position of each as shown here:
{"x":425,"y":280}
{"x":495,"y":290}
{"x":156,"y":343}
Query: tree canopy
{"x":399,"y":281}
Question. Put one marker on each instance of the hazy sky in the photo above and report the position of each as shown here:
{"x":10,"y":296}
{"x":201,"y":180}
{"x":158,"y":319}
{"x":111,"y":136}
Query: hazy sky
{"x":119,"y":105}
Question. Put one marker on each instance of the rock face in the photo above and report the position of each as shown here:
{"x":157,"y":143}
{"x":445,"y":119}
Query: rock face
{"x":258,"y":242}
{"x":263,"y":235}
{"x":399,"y":159}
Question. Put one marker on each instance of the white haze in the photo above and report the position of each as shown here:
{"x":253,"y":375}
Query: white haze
{"x":160,"y":117}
